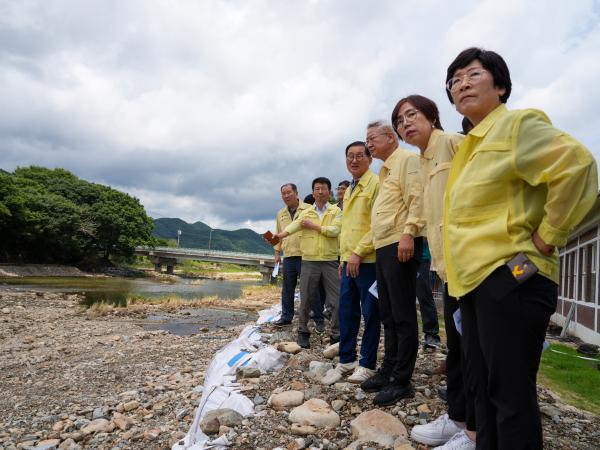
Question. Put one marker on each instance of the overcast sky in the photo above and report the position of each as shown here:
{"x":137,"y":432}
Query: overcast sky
{"x":202,"y":109}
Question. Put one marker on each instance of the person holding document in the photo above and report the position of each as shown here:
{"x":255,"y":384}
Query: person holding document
{"x":290,"y":247}
{"x":357,"y":271}
{"x":396,"y":224}
{"x":319,"y":227}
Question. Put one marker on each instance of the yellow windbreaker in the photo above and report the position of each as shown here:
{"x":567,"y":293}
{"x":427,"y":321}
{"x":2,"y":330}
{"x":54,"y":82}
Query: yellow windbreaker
{"x":291,"y":244}
{"x":356,"y":236}
{"x":317,"y":246}
{"x":398,"y":208}
{"x":514,"y":173}
{"x":435,"y":166}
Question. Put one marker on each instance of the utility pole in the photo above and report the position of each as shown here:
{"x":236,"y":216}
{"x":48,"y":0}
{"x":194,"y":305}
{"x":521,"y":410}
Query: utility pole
{"x":210,"y":239}
{"x":178,"y":234}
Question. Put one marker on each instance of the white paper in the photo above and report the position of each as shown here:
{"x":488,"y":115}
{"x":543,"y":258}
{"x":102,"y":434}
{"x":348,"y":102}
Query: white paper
{"x":275,"y":270}
{"x":373,"y":290}
{"x":458,"y":321}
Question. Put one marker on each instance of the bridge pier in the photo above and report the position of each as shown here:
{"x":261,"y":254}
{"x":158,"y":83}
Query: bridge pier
{"x":159,"y":262}
{"x":266,"y":274}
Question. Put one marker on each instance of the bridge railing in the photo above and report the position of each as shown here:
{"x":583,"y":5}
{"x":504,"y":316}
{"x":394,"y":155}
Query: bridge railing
{"x":204,"y":252}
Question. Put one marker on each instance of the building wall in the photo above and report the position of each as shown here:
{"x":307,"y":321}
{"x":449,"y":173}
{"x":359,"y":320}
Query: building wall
{"x":579,"y":285}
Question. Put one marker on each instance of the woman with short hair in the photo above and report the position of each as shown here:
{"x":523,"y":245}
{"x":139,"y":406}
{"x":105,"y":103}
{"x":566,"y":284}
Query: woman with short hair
{"x":416,"y":119}
{"x":516,"y":190}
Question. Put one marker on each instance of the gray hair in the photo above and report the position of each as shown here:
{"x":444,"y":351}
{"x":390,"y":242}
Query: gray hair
{"x":385,"y":126}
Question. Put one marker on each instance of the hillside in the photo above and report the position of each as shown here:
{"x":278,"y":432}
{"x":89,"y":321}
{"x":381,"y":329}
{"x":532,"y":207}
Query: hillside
{"x":196,"y":235}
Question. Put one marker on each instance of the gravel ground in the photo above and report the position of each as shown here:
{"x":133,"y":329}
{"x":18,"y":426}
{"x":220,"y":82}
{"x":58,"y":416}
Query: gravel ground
{"x":73,"y":379}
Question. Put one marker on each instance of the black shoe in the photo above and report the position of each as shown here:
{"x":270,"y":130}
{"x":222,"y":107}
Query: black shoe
{"x":320,"y":327}
{"x":377,"y":382}
{"x":443,"y":393}
{"x":333,"y":340}
{"x":282,"y":323}
{"x":303,"y":340}
{"x":392,"y":393}
{"x":327,"y":314}
{"x":432,"y":341}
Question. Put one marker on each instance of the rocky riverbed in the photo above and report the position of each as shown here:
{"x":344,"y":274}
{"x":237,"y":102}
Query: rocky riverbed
{"x":73,"y":378}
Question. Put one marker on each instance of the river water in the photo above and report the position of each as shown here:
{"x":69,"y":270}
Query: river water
{"x":116,"y":291}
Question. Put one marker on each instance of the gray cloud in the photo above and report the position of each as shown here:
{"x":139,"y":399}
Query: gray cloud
{"x":203,"y":109}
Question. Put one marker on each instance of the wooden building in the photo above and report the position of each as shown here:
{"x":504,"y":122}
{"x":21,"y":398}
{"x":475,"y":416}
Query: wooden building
{"x":579,"y":281}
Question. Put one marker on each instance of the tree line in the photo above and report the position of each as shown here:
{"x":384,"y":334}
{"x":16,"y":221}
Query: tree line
{"x":52,"y":216}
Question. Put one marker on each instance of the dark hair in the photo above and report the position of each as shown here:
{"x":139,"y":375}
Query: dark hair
{"x":491,"y":61}
{"x":423,"y":104}
{"x":466,"y":125}
{"x":321,"y":180}
{"x":344,"y":183}
{"x":358,"y":144}
{"x":292,"y":185}
{"x":310,"y":199}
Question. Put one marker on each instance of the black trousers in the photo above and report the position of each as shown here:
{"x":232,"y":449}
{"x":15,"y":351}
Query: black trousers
{"x":396,"y":287}
{"x":504,"y":325}
{"x":461,"y":405}
{"x":426,"y":301}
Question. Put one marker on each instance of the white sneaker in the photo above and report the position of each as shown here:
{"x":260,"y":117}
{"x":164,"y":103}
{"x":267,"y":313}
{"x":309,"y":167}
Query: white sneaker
{"x":460,"y":441}
{"x":437,"y":432}
{"x":361,"y":374}
{"x":334,"y":375}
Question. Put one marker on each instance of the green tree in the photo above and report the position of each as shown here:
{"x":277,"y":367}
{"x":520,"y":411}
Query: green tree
{"x":51,"y":215}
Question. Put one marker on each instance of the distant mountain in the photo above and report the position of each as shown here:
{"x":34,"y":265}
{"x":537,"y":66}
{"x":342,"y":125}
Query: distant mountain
{"x":196,"y":235}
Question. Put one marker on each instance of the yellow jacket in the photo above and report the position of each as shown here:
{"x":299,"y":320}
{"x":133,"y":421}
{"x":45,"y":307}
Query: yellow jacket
{"x":317,"y":246}
{"x":399,"y":204}
{"x":291,"y":244}
{"x":514,"y":173}
{"x":356,"y":236}
{"x":435,"y":166}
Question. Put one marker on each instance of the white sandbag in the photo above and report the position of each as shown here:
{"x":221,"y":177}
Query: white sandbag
{"x":269,"y":315}
{"x":220,"y":388}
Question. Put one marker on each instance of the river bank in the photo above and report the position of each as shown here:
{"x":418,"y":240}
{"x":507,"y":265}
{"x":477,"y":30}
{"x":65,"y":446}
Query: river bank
{"x":94,"y":378}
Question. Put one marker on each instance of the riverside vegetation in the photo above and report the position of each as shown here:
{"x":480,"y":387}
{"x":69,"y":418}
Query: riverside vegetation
{"x":75,"y":378}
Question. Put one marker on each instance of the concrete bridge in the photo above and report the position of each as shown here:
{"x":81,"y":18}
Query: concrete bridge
{"x":169,"y":256}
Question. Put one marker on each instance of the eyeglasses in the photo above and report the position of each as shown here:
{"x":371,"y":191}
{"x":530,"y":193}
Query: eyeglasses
{"x":471,"y":75}
{"x":372,"y":137}
{"x":358,"y":157}
{"x":409,"y":116}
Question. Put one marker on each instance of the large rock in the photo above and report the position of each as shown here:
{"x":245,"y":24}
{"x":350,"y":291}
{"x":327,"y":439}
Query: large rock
{"x":377,"y":426}
{"x":289,"y":347}
{"x":130,"y":406}
{"x":318,"y":368}
{"x":247,"y":372}
{"x":123,"y":422}
{"x":332,"y":351}
{"x":98,"y":426}
{"x":286,"y":400}
{"x":315,"y":412}
{"x":48,"y":444}
{"x":213,"y":420}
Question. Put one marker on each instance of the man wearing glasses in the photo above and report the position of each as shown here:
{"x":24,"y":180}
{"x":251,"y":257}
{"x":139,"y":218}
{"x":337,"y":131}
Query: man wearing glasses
{"x":357,"y":271}
{"x":396,"y":224}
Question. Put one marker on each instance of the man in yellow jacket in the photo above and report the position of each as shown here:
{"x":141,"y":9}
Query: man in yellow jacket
{"x":319,"y":226}
{"x":396,"y":222}
{"x":292,"y":255}
{"x":357,"y":271}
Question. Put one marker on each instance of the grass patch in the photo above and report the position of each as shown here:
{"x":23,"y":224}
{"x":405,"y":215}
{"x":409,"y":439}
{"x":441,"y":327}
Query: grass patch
{"x":576,"y":380}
